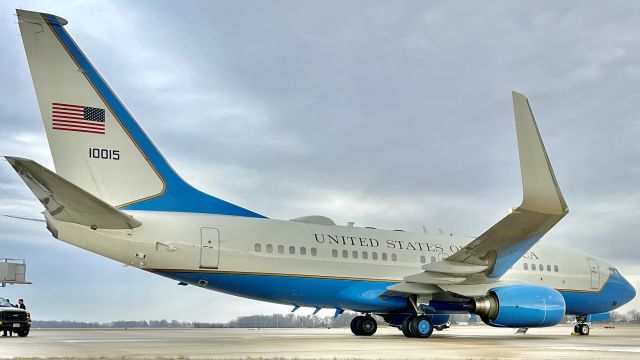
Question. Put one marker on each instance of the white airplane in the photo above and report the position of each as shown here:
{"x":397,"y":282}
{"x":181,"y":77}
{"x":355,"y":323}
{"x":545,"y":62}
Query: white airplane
{"x":114,"y":194}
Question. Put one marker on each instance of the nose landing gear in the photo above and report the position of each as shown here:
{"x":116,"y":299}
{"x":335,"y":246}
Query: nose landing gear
{"x":364,"y":325}
{"x":581,"y":328}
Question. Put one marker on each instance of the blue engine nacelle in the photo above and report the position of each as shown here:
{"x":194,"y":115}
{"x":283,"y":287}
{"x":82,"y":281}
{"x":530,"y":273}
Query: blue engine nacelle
{"x":520,"y":306}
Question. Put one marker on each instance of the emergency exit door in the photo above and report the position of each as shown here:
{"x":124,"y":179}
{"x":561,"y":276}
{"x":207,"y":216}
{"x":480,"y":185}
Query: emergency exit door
{"x":210,"y":251}
{"x":595,"y":274}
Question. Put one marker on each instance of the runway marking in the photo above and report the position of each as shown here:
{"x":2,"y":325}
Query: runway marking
{"x":599,"y":348}
{"x":110,"y":340}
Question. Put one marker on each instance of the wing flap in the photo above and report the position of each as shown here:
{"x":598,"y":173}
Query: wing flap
{"x":65,"y":201}
{"x":453,"y":267}
{"x":412,"y":288}
{"x":427,"y":277}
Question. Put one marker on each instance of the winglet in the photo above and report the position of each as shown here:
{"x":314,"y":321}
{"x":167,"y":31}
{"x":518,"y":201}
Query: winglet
{"x":541,"y":192}
{"x":493,"y":253}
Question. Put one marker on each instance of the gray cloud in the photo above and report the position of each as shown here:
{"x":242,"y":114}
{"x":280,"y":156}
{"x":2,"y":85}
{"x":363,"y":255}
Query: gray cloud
{"x":388,"y":114}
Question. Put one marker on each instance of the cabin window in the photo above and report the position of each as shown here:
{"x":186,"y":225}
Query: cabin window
{"x":423,"y":259}
{"x":345,"y":254}
{"x":314,"y":251}
{"x":334,"y":252}
{"x":555,"y":268}
{"x":269,"y":248}
{"x":433,"y":259}
{"x":526,"y":266}
{"x":365,"y":255}
{"x":257,"y":247}
{"x":541,"y":267}
{"x":549,"y":268}
{"x":292,"y":250}
{"x":384,"y":256}
{"x":303,"y":251}
{"x":280,"y":249}
{"x":394,"y":257}
{"x":374,"y":255}
{"x":533,"y":266}
{"x":355,"y":254}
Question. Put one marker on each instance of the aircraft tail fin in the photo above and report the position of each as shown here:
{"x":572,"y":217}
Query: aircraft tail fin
{"x":95,"y":142}
{"x":65,"y":201}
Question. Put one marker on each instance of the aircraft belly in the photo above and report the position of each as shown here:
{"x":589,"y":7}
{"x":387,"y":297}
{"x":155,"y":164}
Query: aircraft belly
{"x":359,"y":295}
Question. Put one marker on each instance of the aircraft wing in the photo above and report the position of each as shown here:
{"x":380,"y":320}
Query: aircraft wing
{"x":65,"y":201}
{"x":485,"y":259}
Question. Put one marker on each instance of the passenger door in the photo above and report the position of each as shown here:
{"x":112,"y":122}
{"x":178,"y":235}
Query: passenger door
{"x":595,"y":273}
{"x":210,"y":251}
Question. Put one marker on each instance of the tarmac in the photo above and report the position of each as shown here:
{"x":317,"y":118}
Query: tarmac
{"x":459,"y":342}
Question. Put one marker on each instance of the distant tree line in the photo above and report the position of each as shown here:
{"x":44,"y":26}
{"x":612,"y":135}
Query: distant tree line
{"x":286,"y":321}
{"x":274,"y":321}
{"x":69,"y":324}
{"x":632,"y":316}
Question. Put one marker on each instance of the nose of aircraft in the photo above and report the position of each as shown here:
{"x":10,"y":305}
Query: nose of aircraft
{"x":624,"y":293}
{"x":629,"y":291}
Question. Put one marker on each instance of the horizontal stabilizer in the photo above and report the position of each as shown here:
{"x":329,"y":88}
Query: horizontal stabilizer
{"x":25,"y":218}
{"x":65,"y":201}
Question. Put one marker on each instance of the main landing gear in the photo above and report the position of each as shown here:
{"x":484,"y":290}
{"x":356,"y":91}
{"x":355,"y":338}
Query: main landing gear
{"x":581,"y":328}
{"x":364,"y":325}
{"x":417,"y":326}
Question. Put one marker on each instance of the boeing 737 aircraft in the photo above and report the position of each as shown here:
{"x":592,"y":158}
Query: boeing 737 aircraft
{"x":114,"y":194}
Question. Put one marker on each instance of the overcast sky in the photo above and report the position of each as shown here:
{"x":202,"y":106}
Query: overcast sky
{"x":389,"y":114}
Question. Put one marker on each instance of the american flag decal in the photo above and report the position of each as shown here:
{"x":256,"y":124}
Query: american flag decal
{"x":68,"y":117}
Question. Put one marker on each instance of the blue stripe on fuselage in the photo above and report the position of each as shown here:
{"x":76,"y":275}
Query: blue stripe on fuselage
{"x":178,"y":196}
{"x":364,"y":295}
{"x":359,"y":295}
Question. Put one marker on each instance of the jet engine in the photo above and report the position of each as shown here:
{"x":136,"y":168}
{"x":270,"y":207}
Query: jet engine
{"x":519,"y":306}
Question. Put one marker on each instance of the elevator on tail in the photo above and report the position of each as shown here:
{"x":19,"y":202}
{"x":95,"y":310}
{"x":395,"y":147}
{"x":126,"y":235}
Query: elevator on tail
{"x":114,"y":194}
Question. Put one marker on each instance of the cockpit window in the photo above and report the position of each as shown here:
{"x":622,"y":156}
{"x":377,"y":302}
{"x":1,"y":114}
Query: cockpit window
{"x":614,"y":271}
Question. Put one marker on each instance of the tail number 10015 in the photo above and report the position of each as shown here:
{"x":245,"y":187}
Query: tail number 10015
{"x":106,"y":154}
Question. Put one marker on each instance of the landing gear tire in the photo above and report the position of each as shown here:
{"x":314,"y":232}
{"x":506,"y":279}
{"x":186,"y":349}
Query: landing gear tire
{"x":405,"y":327}
{"x":354,"y":325}
{"x":363,"y":326}
{"x":421,"y":327}
{"x":583,"y":329}
{"x":368,"y":326}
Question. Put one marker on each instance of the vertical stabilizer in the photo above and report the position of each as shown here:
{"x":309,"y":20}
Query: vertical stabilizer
{"x":95,"y":142}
